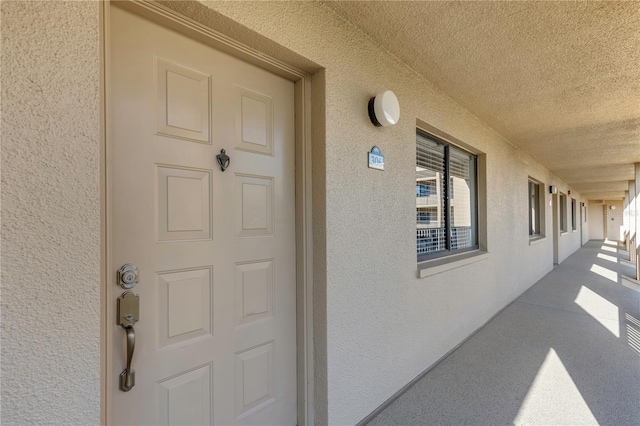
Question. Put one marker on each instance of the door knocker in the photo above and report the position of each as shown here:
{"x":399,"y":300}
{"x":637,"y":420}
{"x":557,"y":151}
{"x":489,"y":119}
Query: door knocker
{"x":223,"y":160}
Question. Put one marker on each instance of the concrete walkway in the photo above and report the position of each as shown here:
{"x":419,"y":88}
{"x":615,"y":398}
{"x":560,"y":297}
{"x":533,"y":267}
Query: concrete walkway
{"x":567,"y":352}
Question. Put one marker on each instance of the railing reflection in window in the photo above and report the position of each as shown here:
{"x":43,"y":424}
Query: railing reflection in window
{"x":432,"y":240}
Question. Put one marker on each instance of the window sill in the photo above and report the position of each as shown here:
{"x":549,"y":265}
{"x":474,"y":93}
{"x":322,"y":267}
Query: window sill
{"x":575,"y":230}
{"x":563,"y":233}
{"x":537,"y":240}
{"x":438,"y":266}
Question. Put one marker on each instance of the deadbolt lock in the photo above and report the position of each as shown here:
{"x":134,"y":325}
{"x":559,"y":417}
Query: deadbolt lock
{"x":127,"y":276}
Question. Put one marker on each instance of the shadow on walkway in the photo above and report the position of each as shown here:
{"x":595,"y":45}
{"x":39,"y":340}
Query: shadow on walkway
{"x":566,"y":352}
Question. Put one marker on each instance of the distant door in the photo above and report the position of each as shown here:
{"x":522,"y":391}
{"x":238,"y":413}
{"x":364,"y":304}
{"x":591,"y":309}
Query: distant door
{"x":614,"y":223}
{"x":216,"y":338}
{"x":595,"y":219}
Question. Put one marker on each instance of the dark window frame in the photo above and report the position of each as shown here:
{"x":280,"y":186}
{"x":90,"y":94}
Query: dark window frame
{"x":447,"y":189}
{"x":535,"y":223}
{"x":574,"y":222}
{"x":562,"y":200}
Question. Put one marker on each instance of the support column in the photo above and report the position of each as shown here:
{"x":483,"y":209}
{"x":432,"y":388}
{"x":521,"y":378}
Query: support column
{"x":636,"y":219}
{"x":632,"y":220}
{"x":626,"y":220}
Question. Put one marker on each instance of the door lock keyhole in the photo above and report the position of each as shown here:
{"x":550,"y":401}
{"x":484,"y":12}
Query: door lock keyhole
{"x":127,"y":276}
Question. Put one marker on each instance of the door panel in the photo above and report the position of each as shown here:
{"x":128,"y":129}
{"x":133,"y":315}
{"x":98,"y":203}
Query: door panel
{"x":215,"y":341}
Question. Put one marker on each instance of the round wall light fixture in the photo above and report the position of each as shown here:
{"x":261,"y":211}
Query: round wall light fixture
{"x":384,"y":109}
{"x":612,"y":207}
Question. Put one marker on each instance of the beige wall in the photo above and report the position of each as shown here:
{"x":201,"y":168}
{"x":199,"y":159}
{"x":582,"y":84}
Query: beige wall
{"x":50,"y":213}
{"x":614,"y":219}
{"x":585,"y":222}
{"x":383,"y":325}
{"x":601,"y":225}
{"x":569,"y":242}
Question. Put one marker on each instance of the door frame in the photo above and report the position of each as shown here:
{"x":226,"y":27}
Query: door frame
{"x":304,"y":250}
{"x":581,"y":223}
{"x":605,"y":224}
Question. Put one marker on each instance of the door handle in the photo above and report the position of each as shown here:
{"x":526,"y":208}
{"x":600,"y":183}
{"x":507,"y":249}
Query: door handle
{"x":128,"y":311}
{"x":128,"y":376}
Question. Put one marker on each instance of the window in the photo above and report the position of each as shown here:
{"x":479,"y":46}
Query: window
{"x":439,"y":232}
{"x":584,"y":206}
{"x":563,"y":212}
{"x":535,"y":209}
{"x":574,"y":224}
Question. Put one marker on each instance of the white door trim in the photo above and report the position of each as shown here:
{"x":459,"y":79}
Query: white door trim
{"x":304,"y":254}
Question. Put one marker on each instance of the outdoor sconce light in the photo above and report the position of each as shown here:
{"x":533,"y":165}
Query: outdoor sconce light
{"x":553,"y":189}
{"x":612,"y":207}
{"x":384,"y":109}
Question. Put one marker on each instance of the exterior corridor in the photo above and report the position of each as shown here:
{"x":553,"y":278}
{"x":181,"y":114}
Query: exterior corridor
{"x":283,"y":213}
{"x":566,"y":352}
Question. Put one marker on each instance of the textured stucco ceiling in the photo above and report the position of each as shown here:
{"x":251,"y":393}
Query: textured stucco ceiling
{"x":561,"y":80}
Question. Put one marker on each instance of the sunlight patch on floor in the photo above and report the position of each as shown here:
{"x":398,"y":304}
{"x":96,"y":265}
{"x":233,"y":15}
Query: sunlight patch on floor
{"x":607,"y":257}
{"x":603,"y":311}
{"x":554,"y":396}
{"x":607,"y":248}
{"x":604,"y":272}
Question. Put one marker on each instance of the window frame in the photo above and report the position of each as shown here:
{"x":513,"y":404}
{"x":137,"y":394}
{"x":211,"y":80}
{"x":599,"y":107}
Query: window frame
{"x":539,"y":208}
{"x":562,"y":215}
{"x":574,"y":222}
{"x":447,"y":204}
{"x":584,"y":206}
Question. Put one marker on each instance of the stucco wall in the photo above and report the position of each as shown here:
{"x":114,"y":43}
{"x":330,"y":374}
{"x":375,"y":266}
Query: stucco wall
{"x":600,"y":224}
{"x":585,"y":223}
{"x":50,"y":213}
{"x":385,"y":326}
{"x":614,"y":221}
{"x":569,"y":241}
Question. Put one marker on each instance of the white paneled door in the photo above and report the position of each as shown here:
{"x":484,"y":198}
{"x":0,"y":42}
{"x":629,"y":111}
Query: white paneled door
{"x":216,"y":338}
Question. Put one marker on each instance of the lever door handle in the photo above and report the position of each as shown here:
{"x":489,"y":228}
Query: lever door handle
{"x":128,"y":377}
{"x":128,"y":312}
